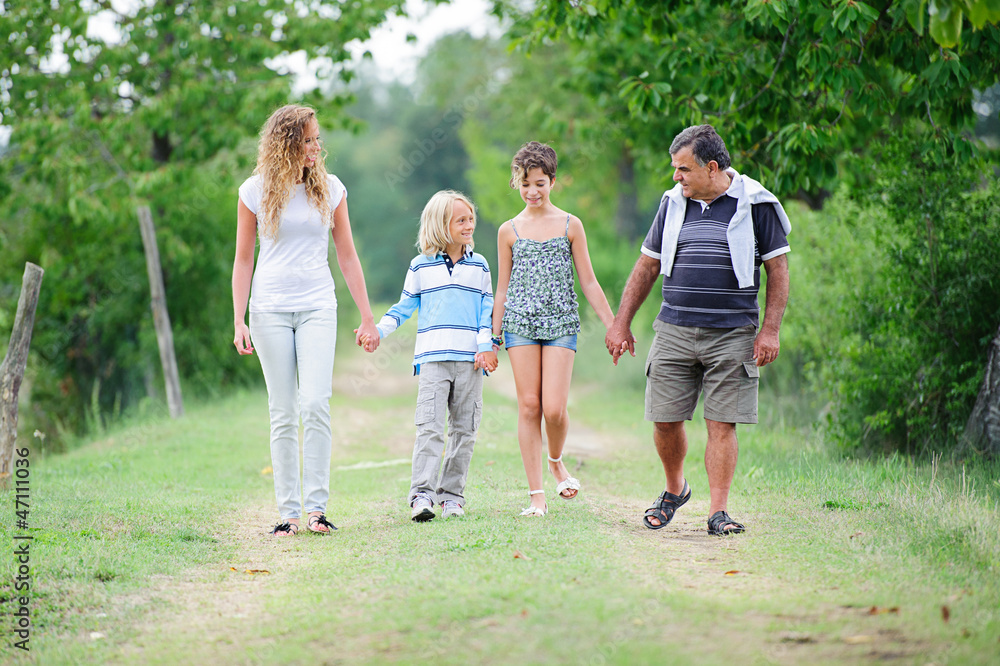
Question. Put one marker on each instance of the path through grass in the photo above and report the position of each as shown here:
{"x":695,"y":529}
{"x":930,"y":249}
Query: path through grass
{"x":149,"y":546}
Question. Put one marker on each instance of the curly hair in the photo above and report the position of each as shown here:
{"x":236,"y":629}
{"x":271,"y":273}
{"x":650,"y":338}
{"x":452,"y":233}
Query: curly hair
{"x":530,"y":156}
{"x":279,"y":163}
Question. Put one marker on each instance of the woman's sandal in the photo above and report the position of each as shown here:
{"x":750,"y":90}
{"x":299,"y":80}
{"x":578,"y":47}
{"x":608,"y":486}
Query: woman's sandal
{"x":285,"y":529}
{"x":569,"y":484}
{"x":320,"y":521}
{"x":665,"y":506}
{"x":534,"y":510}
{"x":719,"y":520}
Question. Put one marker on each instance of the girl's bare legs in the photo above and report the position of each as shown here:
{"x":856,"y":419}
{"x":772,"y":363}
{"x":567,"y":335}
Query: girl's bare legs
{"x":526,"y":364}
{"x":557,"y":371}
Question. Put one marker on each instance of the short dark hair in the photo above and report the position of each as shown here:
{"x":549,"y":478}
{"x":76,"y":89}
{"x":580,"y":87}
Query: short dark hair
{"x":530,"y":156}
{"x":706,"y":145}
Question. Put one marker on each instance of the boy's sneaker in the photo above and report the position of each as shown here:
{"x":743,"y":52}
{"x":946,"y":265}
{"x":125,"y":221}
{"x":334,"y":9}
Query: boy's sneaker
{"x":422,"y":508}
{"x":452,"y":509}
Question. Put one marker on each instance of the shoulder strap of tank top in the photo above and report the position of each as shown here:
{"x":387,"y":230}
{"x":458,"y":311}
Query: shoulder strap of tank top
{"x":566,"y":232}
{"x":517,"y":235}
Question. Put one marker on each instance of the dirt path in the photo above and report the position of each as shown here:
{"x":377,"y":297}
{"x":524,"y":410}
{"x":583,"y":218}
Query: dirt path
{"x":223,"y":603}
{"x":221,"y":600}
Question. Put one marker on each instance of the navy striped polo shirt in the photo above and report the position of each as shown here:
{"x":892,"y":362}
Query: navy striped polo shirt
{"x":702,"y":289}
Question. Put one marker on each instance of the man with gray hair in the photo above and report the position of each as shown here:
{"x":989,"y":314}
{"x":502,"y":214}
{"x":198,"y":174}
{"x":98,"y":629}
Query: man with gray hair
{"x":711,"y":234}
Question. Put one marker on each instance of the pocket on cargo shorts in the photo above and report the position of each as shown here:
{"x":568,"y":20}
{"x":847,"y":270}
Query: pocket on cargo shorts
{"x":746,"y":399}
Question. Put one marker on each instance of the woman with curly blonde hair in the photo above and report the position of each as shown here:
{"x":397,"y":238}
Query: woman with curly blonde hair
{"x":294,"y":206}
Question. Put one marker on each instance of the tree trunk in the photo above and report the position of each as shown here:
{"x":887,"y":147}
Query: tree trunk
{"x":982,"y":431}
{"x":627,"y":213}
{"x":12,"y":369}
{"x":161,"y":318}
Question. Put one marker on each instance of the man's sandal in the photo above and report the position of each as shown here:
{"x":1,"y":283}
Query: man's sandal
{"x":534,"y":510}
{"x":665,"y":506}
{"x":285,"y":529}
{"x":316,"y":522}
{"x":569,"y":484}
{"x":719,"y":520}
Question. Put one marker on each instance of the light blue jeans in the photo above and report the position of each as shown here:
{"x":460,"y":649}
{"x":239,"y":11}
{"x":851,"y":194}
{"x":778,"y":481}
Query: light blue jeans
{"x":296,"y":351}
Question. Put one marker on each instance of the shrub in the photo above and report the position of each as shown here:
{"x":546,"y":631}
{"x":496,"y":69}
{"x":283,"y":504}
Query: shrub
{"x":914,"y":349}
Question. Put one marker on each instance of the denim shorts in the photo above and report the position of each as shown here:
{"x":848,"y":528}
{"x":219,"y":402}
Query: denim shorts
{"x":515,"y":340}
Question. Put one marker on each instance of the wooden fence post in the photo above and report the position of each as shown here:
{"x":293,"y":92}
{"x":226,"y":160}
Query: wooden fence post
{"x":12,"y":369}
{"x":161,"y":318}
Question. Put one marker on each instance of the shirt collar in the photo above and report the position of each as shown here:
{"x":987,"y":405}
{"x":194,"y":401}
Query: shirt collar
{"x":466,"y":254}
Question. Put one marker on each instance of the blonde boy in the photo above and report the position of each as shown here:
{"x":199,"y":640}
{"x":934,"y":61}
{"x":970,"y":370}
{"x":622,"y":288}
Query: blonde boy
{"x":450,"y":287}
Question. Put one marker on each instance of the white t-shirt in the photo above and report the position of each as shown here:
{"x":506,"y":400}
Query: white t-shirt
{"x":293,"y":273}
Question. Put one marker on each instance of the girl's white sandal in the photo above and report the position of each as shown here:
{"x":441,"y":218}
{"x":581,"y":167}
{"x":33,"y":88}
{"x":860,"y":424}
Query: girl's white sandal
{"x":534,"y":510}
{"x":569,"y":484}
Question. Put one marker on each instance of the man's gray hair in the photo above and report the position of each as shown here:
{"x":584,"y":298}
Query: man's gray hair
{"x":706,"y":145}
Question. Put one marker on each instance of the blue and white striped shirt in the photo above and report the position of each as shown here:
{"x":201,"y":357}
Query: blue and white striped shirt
{"x":455,"y":309}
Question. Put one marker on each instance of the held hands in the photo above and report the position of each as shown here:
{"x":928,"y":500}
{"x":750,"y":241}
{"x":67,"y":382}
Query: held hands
{"x":367,"y":337}
{"x":618,"y":340}
{"x":487,"y":361}
{"x":242,"y":339}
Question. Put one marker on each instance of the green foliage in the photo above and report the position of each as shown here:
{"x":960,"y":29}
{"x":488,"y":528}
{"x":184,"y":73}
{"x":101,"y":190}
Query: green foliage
{"x":833,"y":254}
{"x":910,"y":368}
{"x":806,"y":95}
{"x":408,"y":150}
{"x":944,"y":17}
{"x":505,"y":98}
{"x":94,"y":350}
{"x":155,"y":110}
{"x":791,"y":86}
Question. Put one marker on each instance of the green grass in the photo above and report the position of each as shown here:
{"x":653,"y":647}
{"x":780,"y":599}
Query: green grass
{"x":141,"y":540}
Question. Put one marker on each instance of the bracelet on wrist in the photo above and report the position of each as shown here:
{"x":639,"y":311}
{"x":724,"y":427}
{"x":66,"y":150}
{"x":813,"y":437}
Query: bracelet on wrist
{"x":497,"y":340}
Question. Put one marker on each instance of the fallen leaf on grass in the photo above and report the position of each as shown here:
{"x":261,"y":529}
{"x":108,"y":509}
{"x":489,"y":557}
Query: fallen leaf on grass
{"x":859,"y":640}
{"x":491,"y":462}
{"x":267,"y":470}
{"x":878,"y":610}
{"x":857,"y":534}
{"x":518,"y":555}
{"x":250,"y":571}
{"x":734,"y":572}
{"x":945,"y":613}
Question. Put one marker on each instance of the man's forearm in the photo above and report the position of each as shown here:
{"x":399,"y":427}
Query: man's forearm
{"x":777,"y":292}
{"x":639,"y":284}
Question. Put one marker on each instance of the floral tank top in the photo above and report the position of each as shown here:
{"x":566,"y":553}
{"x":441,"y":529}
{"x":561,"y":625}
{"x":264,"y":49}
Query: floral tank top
{"x":541,"y":302}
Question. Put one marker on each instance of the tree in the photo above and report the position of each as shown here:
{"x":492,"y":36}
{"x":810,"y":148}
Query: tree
{"x":982,"y":431}
{"x":806,"y":94}
{"x":908,"y":373}
{"x":158,"y":108}
{"x":794,"y":87}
